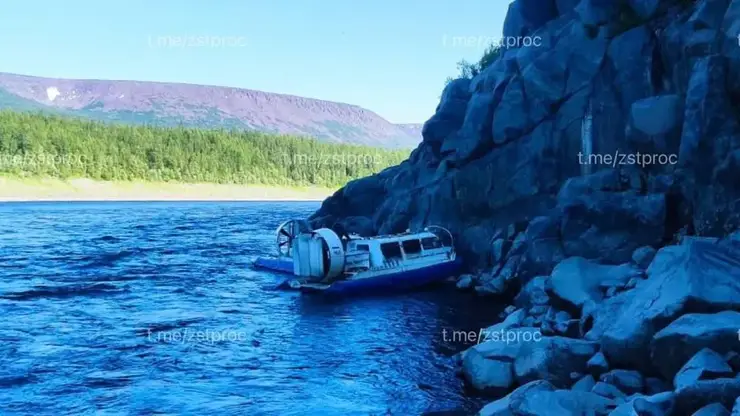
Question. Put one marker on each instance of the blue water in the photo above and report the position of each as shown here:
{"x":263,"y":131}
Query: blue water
{"x":152,"y":308}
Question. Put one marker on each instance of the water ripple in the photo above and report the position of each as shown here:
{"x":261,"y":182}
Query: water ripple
{"x":132,"y":308}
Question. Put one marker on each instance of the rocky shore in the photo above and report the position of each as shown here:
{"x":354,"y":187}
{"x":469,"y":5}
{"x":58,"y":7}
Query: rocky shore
{"x":628,"y":267}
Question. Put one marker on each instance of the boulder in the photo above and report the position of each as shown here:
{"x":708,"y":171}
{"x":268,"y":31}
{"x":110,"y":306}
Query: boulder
{"x":494,"y":377}
{"x":553,"y":359}
{"x":506,"y":405}
{"x":564,"y":402}
{"x":488,"y":366}
{"x":697,"y":275}
{"x":714,"y":409}
{"x":658,"y":115}
{"x":514,"y":319}
{"x":544,"y":249}
{"x":597,"y":365}
{"x":533,"y":293}
{"x":465,"y":282}
{"x":736,"y":408}
{"x":577,"y":280}
{"x":675,"y":344}
{"x":607,"y":390}
{"x":705,"y":365}
{"x":628,"y":381}
{"x":643,"y":256}
{"x":695,"y":396}
{"x":657,"y":405}
{"x":586,"y":383}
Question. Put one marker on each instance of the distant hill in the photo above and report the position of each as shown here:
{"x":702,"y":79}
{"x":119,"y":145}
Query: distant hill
{"x":169,"y":104}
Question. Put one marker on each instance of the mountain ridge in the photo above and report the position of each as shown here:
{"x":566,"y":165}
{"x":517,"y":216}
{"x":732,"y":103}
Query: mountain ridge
{"x":208,"y":106}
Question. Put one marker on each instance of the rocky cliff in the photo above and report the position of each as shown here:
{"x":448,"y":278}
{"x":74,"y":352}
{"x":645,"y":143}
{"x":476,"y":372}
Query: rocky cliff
{"x":561,"y":169}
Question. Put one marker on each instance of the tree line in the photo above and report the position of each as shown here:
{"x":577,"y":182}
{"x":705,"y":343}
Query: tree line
{"x":42,"y":145}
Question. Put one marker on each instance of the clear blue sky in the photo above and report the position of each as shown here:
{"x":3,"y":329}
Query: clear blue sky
{"x":385,"y":55}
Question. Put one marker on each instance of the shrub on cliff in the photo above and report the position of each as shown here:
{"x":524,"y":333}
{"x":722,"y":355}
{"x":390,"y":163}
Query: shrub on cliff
{"x":469,"y":70}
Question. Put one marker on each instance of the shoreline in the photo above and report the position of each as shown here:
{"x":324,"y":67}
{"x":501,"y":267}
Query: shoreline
{"x":87,"y":190}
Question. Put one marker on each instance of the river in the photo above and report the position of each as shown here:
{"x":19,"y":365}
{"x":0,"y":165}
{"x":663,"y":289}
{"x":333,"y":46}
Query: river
{"x":152,"y":308}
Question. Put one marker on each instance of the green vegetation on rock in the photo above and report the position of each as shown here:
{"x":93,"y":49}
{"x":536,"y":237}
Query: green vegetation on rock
{"x":42,"y":145}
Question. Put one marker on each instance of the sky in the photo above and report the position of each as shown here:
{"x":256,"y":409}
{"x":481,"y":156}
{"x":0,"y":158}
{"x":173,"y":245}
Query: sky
{"x":389,"y":56}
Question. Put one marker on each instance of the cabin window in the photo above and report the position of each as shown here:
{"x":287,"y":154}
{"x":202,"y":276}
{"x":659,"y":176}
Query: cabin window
{"x":411,"y":247}
{"x":363,"y":247}
{"x":430,"y":243}
{"x":391,"y":251}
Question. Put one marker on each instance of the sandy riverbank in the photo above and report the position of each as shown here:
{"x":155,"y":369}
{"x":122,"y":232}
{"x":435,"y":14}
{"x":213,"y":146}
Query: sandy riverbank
{"x":47,"y":189}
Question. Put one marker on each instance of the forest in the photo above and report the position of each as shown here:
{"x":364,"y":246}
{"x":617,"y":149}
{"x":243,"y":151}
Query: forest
{"x":41,"y":145}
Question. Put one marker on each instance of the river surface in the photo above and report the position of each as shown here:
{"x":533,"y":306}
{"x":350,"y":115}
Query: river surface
{"x":152,"y":308}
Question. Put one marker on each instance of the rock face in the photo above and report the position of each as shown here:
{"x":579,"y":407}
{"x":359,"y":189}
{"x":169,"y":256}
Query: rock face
{"x":593,"y":183}
{"x":638,"y":93}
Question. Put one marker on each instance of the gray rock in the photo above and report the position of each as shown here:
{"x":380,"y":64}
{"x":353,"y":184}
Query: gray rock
{"x":564,"y":402}
{"x":586,"y":383}
{"x":632,"y":283}
{"x":678,"y":342}
{"x":697,"y":275}
{"x":705,"y":365}
{"x":628,"y":381}
{"x":488,"y":365}
{"x":597,"y":365}
{"x":514,"y":319}
{"x":643,"y":256}
{"x":553,"y":359}
{"x":533,"y":293}
{"x":657,"y":405}
{"x":714,"y":409}
{"x":506,"y":405}
{"x":465,"y":282}
{"x":544,"y":248}
{"x":538,"y":310}
{"x":577,"y":280}
{"x":450,"y":112}
{"x":489,"y":376}
{"x":695,"y":396}
{"x":607,"y":390}
{"x":658,"y":115}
